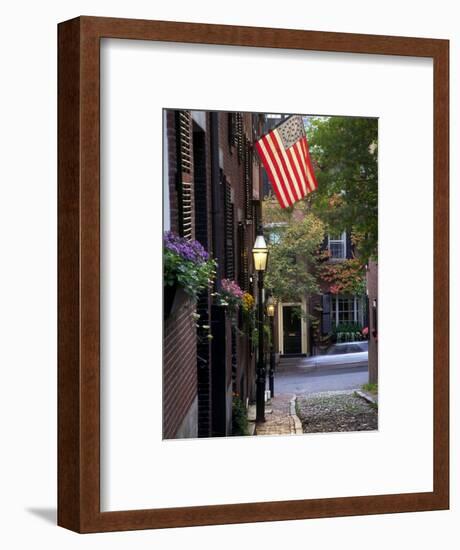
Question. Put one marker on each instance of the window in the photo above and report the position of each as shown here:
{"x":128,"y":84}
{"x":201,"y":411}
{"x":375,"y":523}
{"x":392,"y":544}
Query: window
{"x":274,"y":237}
{"x":347,"y":309}
{"x":274,"y":231}
{"x":337,"y":246}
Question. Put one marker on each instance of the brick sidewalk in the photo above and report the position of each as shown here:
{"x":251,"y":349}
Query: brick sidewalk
{"x":278,"y":417}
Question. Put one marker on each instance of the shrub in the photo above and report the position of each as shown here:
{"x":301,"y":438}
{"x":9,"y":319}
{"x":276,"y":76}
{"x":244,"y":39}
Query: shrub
{"x":239,"y":417}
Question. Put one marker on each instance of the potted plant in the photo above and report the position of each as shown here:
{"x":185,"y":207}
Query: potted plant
{"x":231,"y":295}
{"x":187,"y":267}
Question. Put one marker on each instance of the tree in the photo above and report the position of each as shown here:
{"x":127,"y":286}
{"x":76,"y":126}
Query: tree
{"x":293,"y":252}
{"x":344,"y":152}
{"x":346,"y":277}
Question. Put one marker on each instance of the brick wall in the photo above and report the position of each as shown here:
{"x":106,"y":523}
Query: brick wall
{"x":179,"y":365}
{"x":179,"y":337}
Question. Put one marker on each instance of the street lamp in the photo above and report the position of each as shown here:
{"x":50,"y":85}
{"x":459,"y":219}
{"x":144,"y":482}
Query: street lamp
{"x":260,"y":256}
{"x":271,"y":305}
{"x":260,"y":253}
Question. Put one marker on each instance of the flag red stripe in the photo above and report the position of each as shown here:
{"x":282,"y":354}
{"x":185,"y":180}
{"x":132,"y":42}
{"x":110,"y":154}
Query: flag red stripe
{"x":290,"y":199}
{"x":277,"y":180}
{"x":292,"y":184}
{"x":295,"y":152}
{"x":314,"y":183}
{"x":300,"y":153}
{"x":305,"y":166}
{"x":301,"y":182}
{"x":270,"y":141}
{"x":283,"y":203}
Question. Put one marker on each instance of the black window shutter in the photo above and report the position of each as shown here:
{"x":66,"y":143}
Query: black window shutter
{"x":326,"y":324}
{"x":243,"y":268}
{"x":185,"y":120}
{"x":232,"y":129}
{"x":349,"y":245}
{"x":240,"y":136}
{"x":248,"y":180}
{"x":184,"y":169}
{"x":200,"y":188}
{"x":229,"y":233}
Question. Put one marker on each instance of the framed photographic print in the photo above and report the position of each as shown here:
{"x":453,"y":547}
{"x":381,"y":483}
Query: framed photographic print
{"x":253,"y":274}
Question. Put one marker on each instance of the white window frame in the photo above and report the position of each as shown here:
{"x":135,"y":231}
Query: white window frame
{"x":342,"y":241}
{"x":358,"y":308}
{"x":275,"y":228}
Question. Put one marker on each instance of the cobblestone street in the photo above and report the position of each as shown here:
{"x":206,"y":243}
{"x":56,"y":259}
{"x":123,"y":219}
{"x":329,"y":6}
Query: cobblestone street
{"x":336,"y":411}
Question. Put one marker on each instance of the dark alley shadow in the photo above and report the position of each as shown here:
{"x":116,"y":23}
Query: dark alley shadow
{"x":47,"y":514}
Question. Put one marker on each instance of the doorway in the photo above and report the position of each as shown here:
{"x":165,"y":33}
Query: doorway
{"x":292,"y":330}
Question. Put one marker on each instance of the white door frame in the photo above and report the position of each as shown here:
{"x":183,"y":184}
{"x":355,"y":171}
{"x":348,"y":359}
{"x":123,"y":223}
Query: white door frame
{"x":303,"y":326}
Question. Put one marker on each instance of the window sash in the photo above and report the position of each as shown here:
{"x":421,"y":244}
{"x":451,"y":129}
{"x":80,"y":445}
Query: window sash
{"x":337,"y":246}
{"x":347,"y":309}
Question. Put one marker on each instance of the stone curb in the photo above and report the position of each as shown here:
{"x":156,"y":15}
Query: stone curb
{"x":367,"y":397}
{"x":252,"y":420}
{"x":297,"y":428}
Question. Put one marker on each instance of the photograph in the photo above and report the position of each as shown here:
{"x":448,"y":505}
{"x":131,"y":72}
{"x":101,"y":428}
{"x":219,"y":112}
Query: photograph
{"x":270,"y":274}
{"x":216,"y":333}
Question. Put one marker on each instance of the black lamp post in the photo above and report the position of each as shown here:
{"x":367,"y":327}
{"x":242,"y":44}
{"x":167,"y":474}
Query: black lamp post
{"x":271,"y":304}
{"x":260,"y":255}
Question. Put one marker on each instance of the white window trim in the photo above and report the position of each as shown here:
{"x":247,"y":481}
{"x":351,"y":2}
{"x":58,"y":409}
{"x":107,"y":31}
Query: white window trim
{"x":343,"y":241}
{"x":358,"y":308}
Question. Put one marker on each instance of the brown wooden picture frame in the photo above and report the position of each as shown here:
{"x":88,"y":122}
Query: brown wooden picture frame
{"x":79,"y":276}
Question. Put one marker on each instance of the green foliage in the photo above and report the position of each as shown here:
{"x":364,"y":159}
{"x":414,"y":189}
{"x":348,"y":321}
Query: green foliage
{"x":344,"y":151}
{"x":231,"y":295}
{"x":267,"y":336}
{"x":371,"y":388}
{"x":254,"y":335}
{"x":289,"y":274}
{"x":193,"y":277}
{"x":348,"y":332}
{"x":239,"y":417}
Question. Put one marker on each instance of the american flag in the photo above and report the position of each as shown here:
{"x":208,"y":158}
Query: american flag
{"x":285,"y":156}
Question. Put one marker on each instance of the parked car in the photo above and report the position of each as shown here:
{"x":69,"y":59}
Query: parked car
{"x":341,"y":355}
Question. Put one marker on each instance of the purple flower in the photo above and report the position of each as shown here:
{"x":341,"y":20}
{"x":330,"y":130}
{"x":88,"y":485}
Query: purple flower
{"x":191,"y":251}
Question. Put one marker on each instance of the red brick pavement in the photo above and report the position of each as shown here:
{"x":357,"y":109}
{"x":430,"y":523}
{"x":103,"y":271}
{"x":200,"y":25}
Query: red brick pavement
{"x":278,"y":417}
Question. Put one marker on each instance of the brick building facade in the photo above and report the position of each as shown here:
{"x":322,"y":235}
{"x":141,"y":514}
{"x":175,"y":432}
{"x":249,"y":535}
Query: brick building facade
{"x":211,"y":193}
{"x":335,"y":310}
{"x":308,"y":325}
{"x":312,"y":332}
